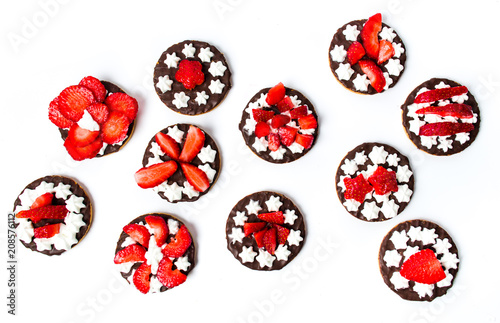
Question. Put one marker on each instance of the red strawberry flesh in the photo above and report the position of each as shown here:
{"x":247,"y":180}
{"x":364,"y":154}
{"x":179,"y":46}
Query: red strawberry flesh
{"x":298,"y":112}
{"x":272,"y":217}
{"x":357,"y":188}
{"x":142,"y":279}
{"x":285,"y":104}
{"x":99,"y":112}
{"x":81,"y":137}
{"x":168,"y":145}
{"x":168,"y":276}
{"x":56,"y":117}
{"x":262,"y":115}
{"x":115,"y":129}
{"x":154,"y":175}
{"x":124,"y":103}
{"x":369,"y":35}
{"x":178,"y":246}
{"x":355,"y":52}
{"x":42,"y":200}
{"x":249,"y":228}
{"x":304,"y":140}
{"x":195,"y":140}
{"x":47,"y":231}
{"x":273,"y":141}
{"x":262,"y":129}
{"x":383,"y":181}
{"x":386,"y":51}
{"x":55,"y":212}
{"x":270,"y":240}
{"x":196,"y":177}
{"x":133,"y":252}
{"x":282,"y":233}
{"x":445,"y":128}
{"x":374,"y":73}
{"x":423,"y":267}
{"x":440,"y":94}
{"x":138,"y":233}
{"x":455,"y":110}
{"x":276,"y":94}
{"x":73,"y":101}
{"x":160,"y":228}
{"x":279,"y":120}
{"x":287,"y":135}
{"x":95,"y":86}
{"x":190,"y":74}
{"x":84,"y":152}
{"x":308,"y":122}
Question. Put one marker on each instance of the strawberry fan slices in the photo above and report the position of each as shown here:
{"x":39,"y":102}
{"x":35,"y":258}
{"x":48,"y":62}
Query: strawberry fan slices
{"x":94,"y":118}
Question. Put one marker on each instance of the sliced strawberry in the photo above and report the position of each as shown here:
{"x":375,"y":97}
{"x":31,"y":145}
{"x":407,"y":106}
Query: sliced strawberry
{"x":262,"y":129}
{"x":56,"y":117}
{"x":178,"y":246}
{"x":369,"y":35}
{"x":142,"y":279}
{"x":357,"y":188}
{"x":285,"y":104}
{"x":42,"y":200}
{"x":81,"y":137}
{"x":195,"y":140}
{"x":259,"y":237}
{"x":99,"y":112}
{"x":160,"y":228}
{"x":386,"y":51}
{"x":154,"y":175}
{"x":95,"y":86}
{"x":124,"y":103}
{"x":276,"y":94}
{"x":262,"y":115}
{"x":115,"y":128}
{"x":355,"y":52}
{"x":138,"y":233}
{"x":445,"y":128}
{"x":308,"y":122}
{"x":270,"y":240}
{"x":167,"y":276}
{"x":47,"y":231}
{"x":374,"y":73}
{"x":133,"y":252}
{"x":273,"y":141}
{"x":298,"y":112}
{"x":168,"y":145}
{"x":272,"y":217}
{"x":73,"y":100}
{"x":84,"y":152}
{"x":440,"y":94}
{"x":54,"y":212}
{"x":287,"y":135}
{"x":423,"y":267}
{"x":455,"y":110}
{"x":196,"y":177}
{"x":304,"y":140}
{"x":279,"y":120}
{"x":383,"y":181}
{"x":250,"y":228}
{"x":190,"y":74}
{"x":282,"y":233}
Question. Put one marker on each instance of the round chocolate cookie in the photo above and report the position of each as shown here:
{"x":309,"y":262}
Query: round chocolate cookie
{"x":178,"y":187}
{"x":441,"y":117}
{"x":374,"y":182}
{"x":192,"y":77}
{"x":351,"y":76}
{"x":291,"y":126}
{"x":155,"y":252}
{"x":48,"y":227}
{"x":411,"y":238}
{"x":265,"y":231}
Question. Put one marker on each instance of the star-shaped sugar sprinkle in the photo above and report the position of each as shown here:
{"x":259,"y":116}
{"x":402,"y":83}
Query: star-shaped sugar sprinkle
{"x":236,"y":235}
{"x":240,"y":218}
{"x":403,"y":194}
{"x":398,"y":281}
{"x":351,"y":205}
{"x":172,"y":60}
{"x":429,"y":236}
{"x":394,"y":67}
{"x":290,"y":216}
{"x":182,"y":263}
{"x":260,"y":144}
{"x":164,"y":83}
{"x":415,"y":233}
{"x":349,"y":167}
{"x":445,"y":144}
{"x":392,"y":258}
{"x":399,"y":239}
{"x":389,"y":209}
{"x":62,"y":191}
{"x":338,"y":53}
{"x":393,"y":160}
{"x":176,"y":133}
{"x":442,"y":246}
{"x":189,"y":190}
{"x":360,"y":158}
{"x":378,"y":155}
{"x":216,"y":86}
{"x":253,"y":207}
{"x":449,"y":260}
{"x":460,"y":98}
{"x":294,"y":237}
{"x":173,"y":226}
{"x":410,"y":251}
{"x":207,"y":154}
{"x":423,"y":289}
{"x":46,"y":244}
{"x":189,"y":50}
{"x":398,"y":49}
{"x":75,"y":203}
{"x":361,"y":82}
{"x":446,"y":281}
{"x":249,"y":126}
{"x":173,"y":192}
{"x":273,"y":203}
{"x":403,"y":174}
{"x":180,"y":100}
{"x":209,"y":171}
{"x":297,"y":148}
{"x":388,"y":81}
{"x":278,"y":154}
{"x":351,"y":32}
{"x":201,"y":98}
{"x":370,"y":210}
{"x":387,"y":34}
{"x":154,"y":285}
{"x":205,"y":54}
{"x":217,"y":69}
{"x":462,"y":137}
{"x":156,"y":149}
{"x":282,"y":252}
{"x":247,"y":254}
{"x":344,"y":71}
{"x":265,"y":259}
{"x":74,"y":221}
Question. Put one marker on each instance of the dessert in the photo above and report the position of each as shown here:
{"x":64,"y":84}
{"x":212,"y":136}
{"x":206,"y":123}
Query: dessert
{"x":441,"y":117}
{"x":265,"y":231}
{"x":155,"y":252}
{"x":95,"y":118}
{"x":367,"y":56}
{"x":374,"y":182}
{"x":192,"y":77}
{"x":181,"y":163}
{"x":52,"y":215}
{"x":279,"y":124}
{"x":418,"y":260}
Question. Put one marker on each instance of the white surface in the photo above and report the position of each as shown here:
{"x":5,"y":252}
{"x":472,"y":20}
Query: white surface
{"x":336,"y":275}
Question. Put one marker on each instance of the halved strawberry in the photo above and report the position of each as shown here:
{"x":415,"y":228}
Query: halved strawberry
{"x":282,"y":233}
{"x":262,"y":129}
{"x":423,"y":267}
{"x":444,"y":128}
{"x":154,"y":175}
{"x":115,"y":128}
{"x":287,"y":135}
{"x":168,"y":277}
{"x":84,"y":152}
{"x":455,"y":110}
{"x":42,"y":200}
{"x":168,"y":145}
{"x":279,"y":120}
{"x":308,"y":122}
{"x":73,"y":100}
{"x":369,"y":35}
{"x":276,"y":94}
{"x":386,"y":51}
{"x":383,"y":181}
{"x":142,"y":279}
{"x":357,"y":188}
{"x":355,"y":52}
{"x":133,"y":252}
{"x":272,"y":217}
{"x":273,"y":141}
{"x":81,"y":137}
{"x":56,"y":117}
{"x":440,"y":94}
{"x":177,"y":246}
{"x":262,"y":115}
{"x":250,"y":228}
{"x":138,"y":233}
{"x":47,"y":231}
{"x":190,"y":74}
{"x":95,"y":86}
{"x":270,"y":240}
{"x":196,"y":177}
{"x":160,"y":228}
{"x":374,"y":73}
{"x":285,"y":104}
{"x":99,"y":112}
{"x":54,"y":212}
{"x":259,"y":237}
{"x":304,"y":140}
{"x":195,"y":140}
{"x":298,"y":112}
{"x":124,"y":103}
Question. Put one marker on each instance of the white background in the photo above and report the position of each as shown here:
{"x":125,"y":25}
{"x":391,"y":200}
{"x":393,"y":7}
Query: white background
{"x":336,"y":275}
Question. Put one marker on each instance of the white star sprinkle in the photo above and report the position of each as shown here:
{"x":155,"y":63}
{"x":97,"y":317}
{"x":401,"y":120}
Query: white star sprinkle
{"x":265,"y":259}
{"x":282,"y":252}
{"x":62,"y":191}
{"x":449,"y":260}
{"x":240,"y":218}
{"x":278,"y":154}
{"x":344,"y":71}
{"x":236,"y":235}
{"x":429,"y":236}
{"x":351,"y":205}
{"x":189,"y":190}
{"x":392,"y":258}
{"x":442,"y":246}
{"x":393,"y":160}
{"x":361,"y":82}
{"x":217,"y":69}
{"x":398,"y":49}
{"x":173,"y":226}
{"x":188,"y":50}
{"x":338,"y":53}
{"x":253,"y":207}
{"x":423,"y":289}
{"x":209,"y":171}
{"x":205,"y":55}
{"x":394,"y":67}
{"x":388,"y":81}
{"x":351,"y":32}
{"x":290,"y":216}
{"x":172,"y":60}
{"x":247,"y":254}
{"x":370,"y":210}
{"x":294,"y":238}
{"x":260,"y":144}
{"x":201,"y":98}
{"x":399,"y":239}
{"x":403,"y":174}
{"x":172,"y":192}
{"x":410,"y":251}
{"x":378,"y":155}
{"x":216,"y":87}
{"x":182,"y":263}
{"x":415,"y":233}
{"x":398,"y":281}
{"x":180,"y":100}
{"x":389,"y":209}
{"x":75,"y":203}
{"x":387,"y":34}
{"x":403,"y":194}
{"x":273,"y":204}
{"x":349,"y":167}
{"x":164,"y":83}
{"x":175,"y":133}
{"x":207,"y":154}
